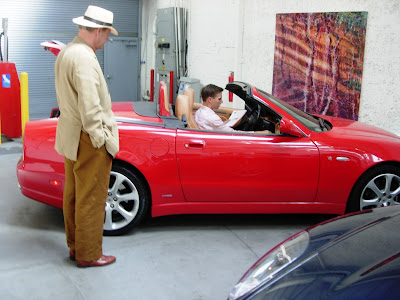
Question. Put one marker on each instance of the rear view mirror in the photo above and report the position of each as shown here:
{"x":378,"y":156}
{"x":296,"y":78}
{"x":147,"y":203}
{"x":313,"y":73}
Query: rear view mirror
{"x":288,"y":127}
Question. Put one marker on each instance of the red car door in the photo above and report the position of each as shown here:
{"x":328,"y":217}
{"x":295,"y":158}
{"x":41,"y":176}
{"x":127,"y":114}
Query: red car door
{"x":217,"y":167}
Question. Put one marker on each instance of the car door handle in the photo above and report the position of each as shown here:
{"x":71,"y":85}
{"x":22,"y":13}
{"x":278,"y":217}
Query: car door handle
{"x":195,"y":144}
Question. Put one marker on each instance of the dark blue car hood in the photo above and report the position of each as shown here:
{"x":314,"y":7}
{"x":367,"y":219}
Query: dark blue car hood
{"x":351,"y":258}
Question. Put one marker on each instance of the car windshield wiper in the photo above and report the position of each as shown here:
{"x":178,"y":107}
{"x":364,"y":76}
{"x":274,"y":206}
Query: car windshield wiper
{"x":322,"y":124}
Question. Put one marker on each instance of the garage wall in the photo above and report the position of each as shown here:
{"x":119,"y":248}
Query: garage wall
{"x":239,"y":36}
{"x":32,"y":22}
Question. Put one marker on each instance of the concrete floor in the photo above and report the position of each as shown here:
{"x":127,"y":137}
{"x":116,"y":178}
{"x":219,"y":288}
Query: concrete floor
{"x":195,"y":257}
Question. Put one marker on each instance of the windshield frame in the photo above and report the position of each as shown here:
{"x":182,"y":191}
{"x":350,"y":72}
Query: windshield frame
{"x":311,"y":122}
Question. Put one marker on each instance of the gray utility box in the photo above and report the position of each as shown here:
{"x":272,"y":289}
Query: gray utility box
{"x":193,"y":83}
{"x":171,"y":44}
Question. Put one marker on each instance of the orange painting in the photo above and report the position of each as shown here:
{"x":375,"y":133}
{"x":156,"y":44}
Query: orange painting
{"x":318,"y":61}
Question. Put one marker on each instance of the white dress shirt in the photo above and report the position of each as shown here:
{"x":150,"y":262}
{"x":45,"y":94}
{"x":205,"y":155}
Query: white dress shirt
{"x":207,"y":119}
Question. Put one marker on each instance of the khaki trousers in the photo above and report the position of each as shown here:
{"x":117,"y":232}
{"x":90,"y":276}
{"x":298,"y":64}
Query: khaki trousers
{"x":84,"y":199}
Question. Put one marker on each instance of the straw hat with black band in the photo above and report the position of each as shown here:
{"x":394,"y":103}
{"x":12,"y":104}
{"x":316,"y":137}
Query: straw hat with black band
{"x":97,"y":17}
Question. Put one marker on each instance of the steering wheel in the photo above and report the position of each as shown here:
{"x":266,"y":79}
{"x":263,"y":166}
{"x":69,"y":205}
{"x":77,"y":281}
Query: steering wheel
{"x":254,"y":116}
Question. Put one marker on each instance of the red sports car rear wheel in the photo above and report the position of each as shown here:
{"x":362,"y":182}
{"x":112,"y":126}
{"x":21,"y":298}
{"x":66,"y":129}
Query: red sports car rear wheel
{"x":127,"y":200}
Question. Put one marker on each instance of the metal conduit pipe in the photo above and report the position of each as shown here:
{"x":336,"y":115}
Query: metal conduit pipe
{"x":176,"y":41}
{"x":185,"y":41}
{"x":180,"y":42}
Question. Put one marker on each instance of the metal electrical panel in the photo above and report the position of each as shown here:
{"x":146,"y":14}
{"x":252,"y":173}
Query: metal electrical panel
{"x":171,"y":46}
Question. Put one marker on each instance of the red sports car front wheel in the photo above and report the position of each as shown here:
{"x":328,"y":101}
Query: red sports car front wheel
{"x":378,"y":187}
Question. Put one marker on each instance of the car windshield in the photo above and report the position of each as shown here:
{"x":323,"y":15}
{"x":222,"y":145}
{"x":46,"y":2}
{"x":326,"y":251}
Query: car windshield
{"x":306,"y":119}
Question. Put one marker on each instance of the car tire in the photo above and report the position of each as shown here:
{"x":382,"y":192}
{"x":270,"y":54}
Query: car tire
{"x":379,"y":186}
{"x":127,"y":200}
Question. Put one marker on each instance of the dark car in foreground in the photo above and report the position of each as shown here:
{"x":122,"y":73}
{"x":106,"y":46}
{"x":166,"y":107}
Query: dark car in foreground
{"x":356,"y":256}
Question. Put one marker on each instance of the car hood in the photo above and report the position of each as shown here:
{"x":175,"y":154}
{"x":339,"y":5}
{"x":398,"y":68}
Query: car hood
{"x":351,"y":258}
{"x":366,"y":257}
{"x":346,"y":127}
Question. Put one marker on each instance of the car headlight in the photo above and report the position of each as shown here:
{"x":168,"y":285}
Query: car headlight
{"x":267,"y":267}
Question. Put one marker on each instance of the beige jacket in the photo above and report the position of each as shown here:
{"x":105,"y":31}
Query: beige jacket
{"x":84,"y":101}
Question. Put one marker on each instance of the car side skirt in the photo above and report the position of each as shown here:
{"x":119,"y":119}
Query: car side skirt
{"x":247,"y":208}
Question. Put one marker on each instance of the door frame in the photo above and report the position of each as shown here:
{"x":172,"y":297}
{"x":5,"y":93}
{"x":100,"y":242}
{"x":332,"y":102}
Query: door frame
{"x":108,"y":60}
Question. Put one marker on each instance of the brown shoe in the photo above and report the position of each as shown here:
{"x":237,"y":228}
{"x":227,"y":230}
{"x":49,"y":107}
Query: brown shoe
{"x":102,"y":261}
{"x":72,"y":255}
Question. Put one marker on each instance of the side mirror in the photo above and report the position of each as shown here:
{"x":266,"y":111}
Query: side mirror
{"x":288,"y":127}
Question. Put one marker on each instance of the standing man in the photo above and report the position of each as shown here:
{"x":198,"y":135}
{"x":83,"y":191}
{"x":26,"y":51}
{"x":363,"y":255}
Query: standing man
{"x":87,"y":136}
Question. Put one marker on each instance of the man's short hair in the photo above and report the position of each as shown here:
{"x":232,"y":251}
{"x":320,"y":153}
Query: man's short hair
{"x":90,"y":29}
{"x":210,"y":90}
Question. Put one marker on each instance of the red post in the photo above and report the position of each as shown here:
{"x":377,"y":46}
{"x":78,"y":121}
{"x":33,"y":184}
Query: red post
{"x":230,"y":79}
{"x":171,"y":87}
{"x":152,"y":85}
{"x":10,"y":100}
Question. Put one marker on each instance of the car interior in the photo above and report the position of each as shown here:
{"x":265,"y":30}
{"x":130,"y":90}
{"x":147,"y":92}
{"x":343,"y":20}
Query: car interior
{"x":257,"y":117}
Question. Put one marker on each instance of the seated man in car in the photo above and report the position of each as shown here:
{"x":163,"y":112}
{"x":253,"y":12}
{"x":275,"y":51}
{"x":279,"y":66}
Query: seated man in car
{"x":205,"y":116}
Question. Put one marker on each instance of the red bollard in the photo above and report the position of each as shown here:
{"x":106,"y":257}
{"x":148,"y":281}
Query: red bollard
{"x":230,"y":79}
{"x":171,"y":87}
{"x":152,"y":85}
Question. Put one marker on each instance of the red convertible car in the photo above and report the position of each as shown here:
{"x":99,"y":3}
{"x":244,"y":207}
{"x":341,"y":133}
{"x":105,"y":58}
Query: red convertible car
{"x":310,"y":164}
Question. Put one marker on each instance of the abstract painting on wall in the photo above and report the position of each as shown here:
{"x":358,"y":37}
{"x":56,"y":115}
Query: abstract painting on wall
{"x":318,"y":61}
